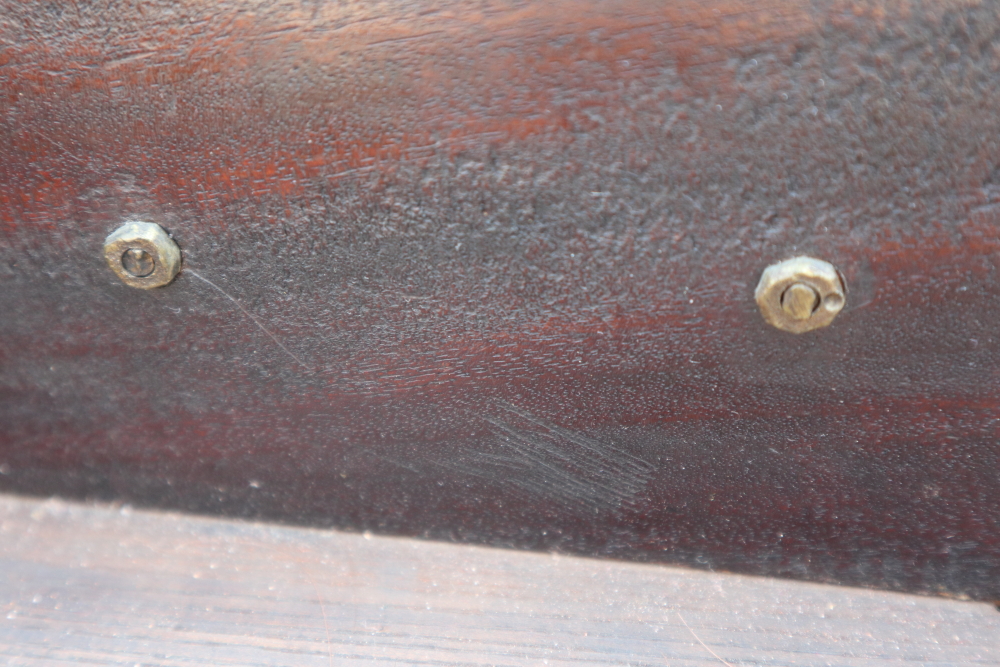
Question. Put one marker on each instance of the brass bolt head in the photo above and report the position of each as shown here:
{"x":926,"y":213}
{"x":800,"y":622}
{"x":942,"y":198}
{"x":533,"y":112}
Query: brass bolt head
{"x":142,"y":255}
{"x":800,"y":294}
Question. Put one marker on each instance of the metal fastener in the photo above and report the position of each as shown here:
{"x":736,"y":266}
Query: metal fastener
{"x":142,"y":255}
{"x":800,"y":294}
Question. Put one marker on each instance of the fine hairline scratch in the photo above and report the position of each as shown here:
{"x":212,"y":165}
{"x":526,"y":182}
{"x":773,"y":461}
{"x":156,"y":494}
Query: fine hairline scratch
{"x":248,"y":314}
{"x":704,"y":645}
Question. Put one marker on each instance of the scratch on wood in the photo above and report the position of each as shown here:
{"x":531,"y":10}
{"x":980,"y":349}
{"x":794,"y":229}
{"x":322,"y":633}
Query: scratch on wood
{"x":407,"y":38}
{"x":557,"y":463}
{"x":59,"y":146}
{"x":250,"y":315}
{"x":111,"y":64}
{"x":693,"y":634}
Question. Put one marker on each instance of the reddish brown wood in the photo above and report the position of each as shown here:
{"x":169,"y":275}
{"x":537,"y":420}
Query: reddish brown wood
{"x":507,"y":252}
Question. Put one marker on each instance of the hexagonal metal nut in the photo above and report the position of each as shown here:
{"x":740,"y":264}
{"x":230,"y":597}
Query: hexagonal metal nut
{"x":146,"y":249}
{"x":784,"y":309}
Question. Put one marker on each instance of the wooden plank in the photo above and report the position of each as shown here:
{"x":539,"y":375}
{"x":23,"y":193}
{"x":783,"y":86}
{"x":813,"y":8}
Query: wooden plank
{"x":102,"y":585}
{"x":501,"y":256}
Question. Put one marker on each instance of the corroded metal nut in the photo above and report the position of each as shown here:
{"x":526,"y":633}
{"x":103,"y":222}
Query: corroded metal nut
{"x":800,"y":294}
{"x":142,"y":255}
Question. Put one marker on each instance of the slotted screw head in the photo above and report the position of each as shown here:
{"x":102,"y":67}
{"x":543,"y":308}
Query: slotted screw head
{"x":142,"y":255}
{"x":800,"y":294}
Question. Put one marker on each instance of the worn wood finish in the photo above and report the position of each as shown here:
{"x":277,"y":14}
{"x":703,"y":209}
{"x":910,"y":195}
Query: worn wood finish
{"x":108,"y":586}
{"x":502,"y":257}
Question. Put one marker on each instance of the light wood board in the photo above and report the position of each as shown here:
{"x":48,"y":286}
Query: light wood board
{"x":104,"y":585}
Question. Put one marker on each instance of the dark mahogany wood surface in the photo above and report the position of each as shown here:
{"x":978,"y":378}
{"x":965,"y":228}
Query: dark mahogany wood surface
{"x":483,"y":272}
{"x":111,"y":586}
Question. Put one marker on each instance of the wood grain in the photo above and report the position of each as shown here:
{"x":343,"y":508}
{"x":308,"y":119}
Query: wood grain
{"x":107,"y":585}
{"x":501,"y":257}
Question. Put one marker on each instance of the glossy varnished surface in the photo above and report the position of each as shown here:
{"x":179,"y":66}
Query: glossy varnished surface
{"x":107,"y":586}
{"x":484,"y":272}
